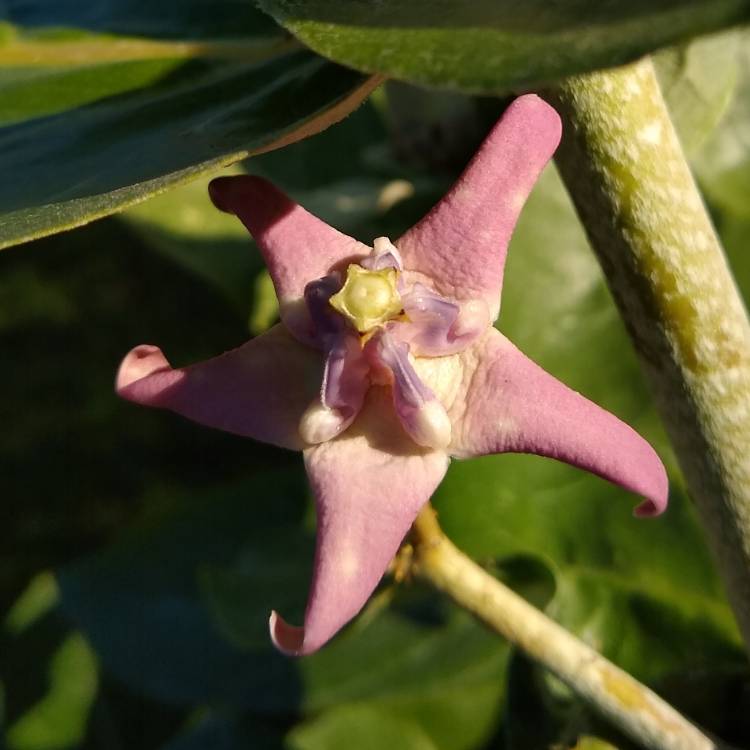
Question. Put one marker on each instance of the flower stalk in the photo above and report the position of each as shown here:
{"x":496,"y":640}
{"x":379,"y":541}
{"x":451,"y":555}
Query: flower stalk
{"x":625,"y":170}
{"x":631,"y":706}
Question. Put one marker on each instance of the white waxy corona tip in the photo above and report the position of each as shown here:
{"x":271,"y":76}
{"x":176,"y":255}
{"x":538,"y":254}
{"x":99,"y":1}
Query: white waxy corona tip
{"x":430,"y":426}
{"x":383,"y":246}
{"x":319,"y":423}
{"x":473,"y":317}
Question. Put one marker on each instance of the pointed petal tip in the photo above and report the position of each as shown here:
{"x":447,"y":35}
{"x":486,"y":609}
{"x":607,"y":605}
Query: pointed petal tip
{"x":139,"y":362}
{"x":288,"y":639}
{"x":651,"y":507}
{"x":654,"y":486}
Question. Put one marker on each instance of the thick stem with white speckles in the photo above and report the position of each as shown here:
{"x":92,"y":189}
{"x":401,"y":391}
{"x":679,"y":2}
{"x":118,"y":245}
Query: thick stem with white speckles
{"x":624,"y":168}
{"x":629,"y":705}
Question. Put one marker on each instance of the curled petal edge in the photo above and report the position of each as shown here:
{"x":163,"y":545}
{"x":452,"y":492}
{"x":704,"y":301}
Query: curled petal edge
{"x":288,"y":639}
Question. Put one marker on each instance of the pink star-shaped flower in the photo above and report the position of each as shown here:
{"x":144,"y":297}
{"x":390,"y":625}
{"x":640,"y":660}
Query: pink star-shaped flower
{"x":412,"y":370}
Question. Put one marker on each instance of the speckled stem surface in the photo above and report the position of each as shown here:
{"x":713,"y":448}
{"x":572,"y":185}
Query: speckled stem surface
{"x":625,"y":170}
{"x":629,"y":705}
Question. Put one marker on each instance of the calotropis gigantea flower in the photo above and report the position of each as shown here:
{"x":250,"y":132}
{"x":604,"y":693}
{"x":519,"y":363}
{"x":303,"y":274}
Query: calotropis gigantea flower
{"x":386,"y":364}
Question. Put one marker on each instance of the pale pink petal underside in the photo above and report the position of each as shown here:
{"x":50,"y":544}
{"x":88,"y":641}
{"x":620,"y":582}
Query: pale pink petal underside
{"x":258,"y":390}
{"x":369,"y":485}
{"x":462,"y":242}
{"x":513,"y":405}
{"x":296,"y":246}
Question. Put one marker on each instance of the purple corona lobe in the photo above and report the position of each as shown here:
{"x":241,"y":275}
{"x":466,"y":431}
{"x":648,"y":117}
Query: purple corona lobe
{"x":345,"y":379}
{"x":379,"y":412}
{"x":422,"y":416}
{"x":326,"y":324}
{"x":441,"y":327}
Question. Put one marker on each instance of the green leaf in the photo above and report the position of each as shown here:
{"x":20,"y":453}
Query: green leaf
{"x":58,"y":55}
{"x":495,"y":47}
{"x":363,"y":727}
{"x":698,"y":81}
{"x":735,"y":234}
{"x":147,"y":114}
{"x":723,"y":164}
{"x":59,"y":719}
{"x":50,"y":671}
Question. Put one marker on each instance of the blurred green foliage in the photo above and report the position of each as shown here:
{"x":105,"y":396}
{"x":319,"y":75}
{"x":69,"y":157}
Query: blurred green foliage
{"x":170,"y":543}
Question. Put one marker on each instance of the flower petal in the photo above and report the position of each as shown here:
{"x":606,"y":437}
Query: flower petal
{"x":296,"y":246}
{"x":513,"y":405}
{"x":461,"y":243}
{"x":259,"y":390}
{"x":369,"y":485}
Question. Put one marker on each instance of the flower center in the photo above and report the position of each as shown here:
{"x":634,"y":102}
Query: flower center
{"x":368,"y":298}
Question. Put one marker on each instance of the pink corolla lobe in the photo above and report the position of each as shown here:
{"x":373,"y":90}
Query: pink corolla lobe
{"x":378,"y":415}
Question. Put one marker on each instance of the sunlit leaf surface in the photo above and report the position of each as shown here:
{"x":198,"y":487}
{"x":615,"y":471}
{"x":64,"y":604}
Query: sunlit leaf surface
{"x":96,"y":118}
{"x":493,"y":46}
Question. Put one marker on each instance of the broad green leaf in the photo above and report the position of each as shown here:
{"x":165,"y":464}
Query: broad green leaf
{"x":723,"y":164}
{"x":495,"y":47}
{"x":735,"y":234}
{"x":38,"y":598}
{"x":99,"y":122}
{"x":49,"y":670}
{"x":58,"y":55}
{"x":26,"y":92}
{"x":698,"y":81}
{"x":362,"y":727}
{"x":59,"y":719}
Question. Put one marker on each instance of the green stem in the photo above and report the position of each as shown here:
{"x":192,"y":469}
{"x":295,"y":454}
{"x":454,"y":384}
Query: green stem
{"x":628,"y":704}
{"x":626,"y":173}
